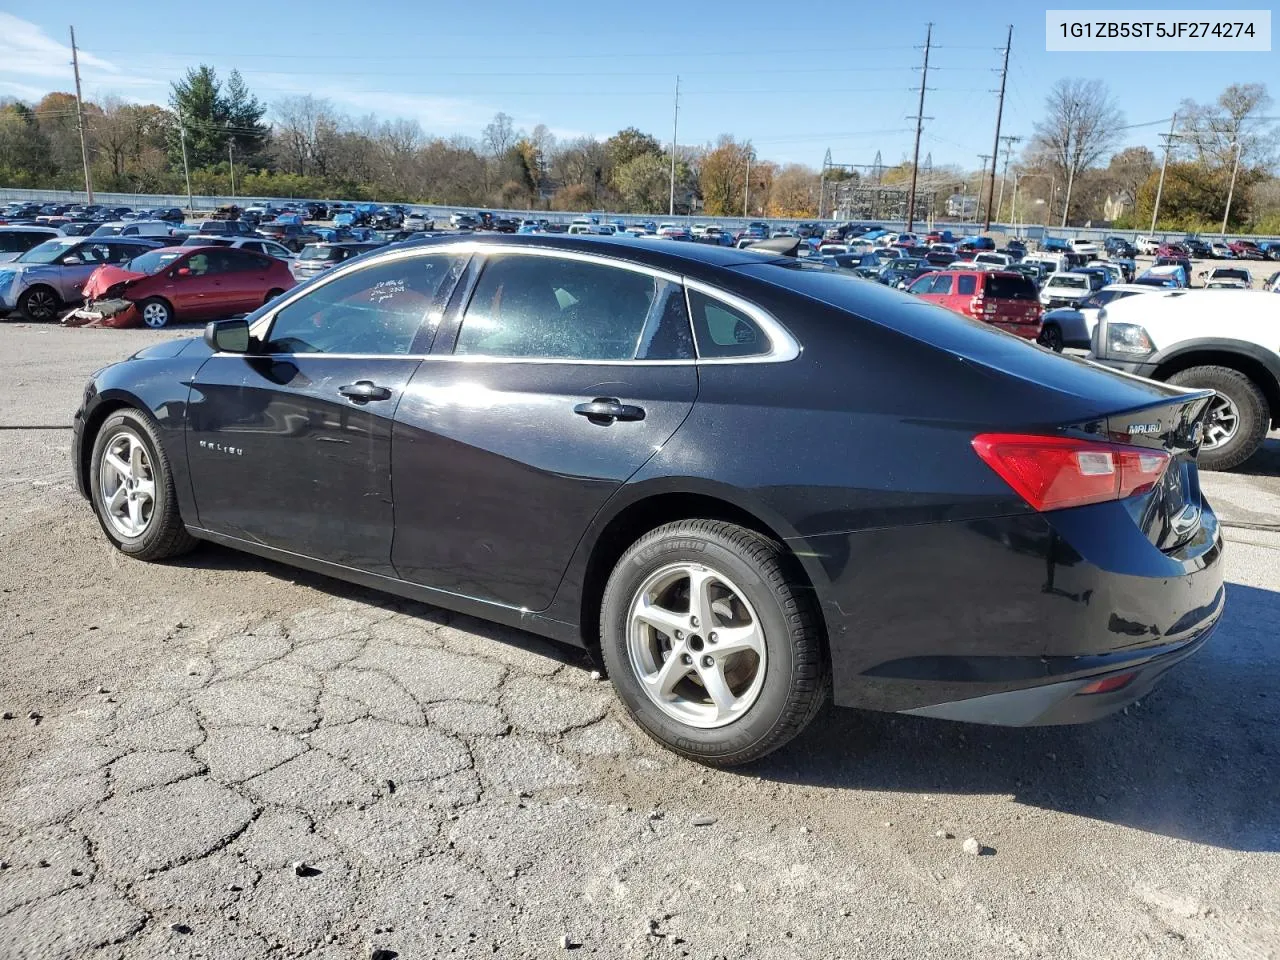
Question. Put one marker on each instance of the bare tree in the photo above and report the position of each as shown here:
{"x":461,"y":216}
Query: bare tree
{"x":304,"y":134}
{"x":1211,"y":132}
{"x":1081,"y":124}
{"x":499,"y":135}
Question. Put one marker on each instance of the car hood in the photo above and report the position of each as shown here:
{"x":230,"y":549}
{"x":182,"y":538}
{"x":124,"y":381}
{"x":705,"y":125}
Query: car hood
{"x":103,"y":280}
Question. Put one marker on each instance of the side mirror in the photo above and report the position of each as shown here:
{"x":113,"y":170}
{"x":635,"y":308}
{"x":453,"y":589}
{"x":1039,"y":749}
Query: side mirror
{"x":227,"y":336}
{"x":71,"y":261}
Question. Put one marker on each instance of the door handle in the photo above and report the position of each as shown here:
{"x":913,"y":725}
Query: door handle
{"x":362,"y":391}
{"x":608,"y":409}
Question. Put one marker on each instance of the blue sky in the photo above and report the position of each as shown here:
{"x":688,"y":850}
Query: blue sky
{"x":795,"y":79}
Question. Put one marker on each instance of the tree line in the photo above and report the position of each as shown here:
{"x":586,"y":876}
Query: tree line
{"x":303,"y":146}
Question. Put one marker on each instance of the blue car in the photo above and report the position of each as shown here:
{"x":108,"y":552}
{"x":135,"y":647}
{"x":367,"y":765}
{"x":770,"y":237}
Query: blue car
{"x":344,"y":219}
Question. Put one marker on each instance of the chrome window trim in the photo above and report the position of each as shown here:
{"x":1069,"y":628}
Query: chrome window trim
{"x":783,"y":346}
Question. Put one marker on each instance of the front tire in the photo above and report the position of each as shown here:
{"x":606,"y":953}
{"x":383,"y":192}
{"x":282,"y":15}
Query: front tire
{"x":1238,"y":416}
{"x":155,"y":313}
{"x":40,"y":304}
{"x":712,"y":641}
{"x":131,"y":485}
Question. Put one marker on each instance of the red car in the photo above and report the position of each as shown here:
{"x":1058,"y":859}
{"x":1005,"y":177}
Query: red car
{"x":1175,"y":250}
{"x":1003,"y":299}
{"x":183,"y":283}
{"x":1247,"y":250}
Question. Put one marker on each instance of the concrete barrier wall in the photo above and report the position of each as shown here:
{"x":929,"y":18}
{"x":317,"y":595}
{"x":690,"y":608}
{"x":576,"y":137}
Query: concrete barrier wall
{"x":208,"y":204}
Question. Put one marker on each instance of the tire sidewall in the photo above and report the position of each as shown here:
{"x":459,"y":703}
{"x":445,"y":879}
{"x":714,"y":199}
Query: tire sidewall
{"x":112,"y":427}
{"x":762,"y":717}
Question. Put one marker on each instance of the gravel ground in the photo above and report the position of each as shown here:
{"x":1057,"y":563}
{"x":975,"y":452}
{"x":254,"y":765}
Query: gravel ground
{"x":229,"y":758}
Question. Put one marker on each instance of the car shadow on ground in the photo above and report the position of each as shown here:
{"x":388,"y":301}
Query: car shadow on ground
{"x":1264,"y":463}
{"x":211,"y":556}
{"x":1194,"y":760}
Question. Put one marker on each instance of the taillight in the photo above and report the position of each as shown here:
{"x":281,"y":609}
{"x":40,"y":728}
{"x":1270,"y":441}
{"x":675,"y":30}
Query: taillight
{"x":979,"y":305}
{"x":1051,"y":473}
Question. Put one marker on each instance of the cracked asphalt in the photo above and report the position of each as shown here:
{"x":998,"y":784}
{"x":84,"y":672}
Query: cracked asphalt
{"x":234,"y":759}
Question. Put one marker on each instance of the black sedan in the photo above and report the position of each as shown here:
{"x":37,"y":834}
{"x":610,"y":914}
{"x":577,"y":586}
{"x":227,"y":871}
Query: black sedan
{"x":748,"y":482}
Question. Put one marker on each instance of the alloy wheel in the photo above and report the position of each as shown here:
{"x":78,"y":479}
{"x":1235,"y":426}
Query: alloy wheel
{"x":1221,"y":423}
{"x":127,"y":485}
{"x":41,"y":305}
{"x":155,"y":315}
{"x":696,"y":645}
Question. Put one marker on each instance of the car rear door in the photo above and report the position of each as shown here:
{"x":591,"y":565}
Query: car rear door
{"x":560,"y":376}
{"x":290,"y":446}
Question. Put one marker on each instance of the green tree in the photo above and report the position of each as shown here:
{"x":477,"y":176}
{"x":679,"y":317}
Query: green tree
{"x":643,"y":183}
{"x":212,"y":118}
{"x":625,"y":145}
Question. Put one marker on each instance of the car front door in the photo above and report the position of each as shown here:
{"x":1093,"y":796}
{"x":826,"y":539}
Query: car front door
{"x":289,"y":445}
{"x":77,"y":265}
{"x":557,"y":381}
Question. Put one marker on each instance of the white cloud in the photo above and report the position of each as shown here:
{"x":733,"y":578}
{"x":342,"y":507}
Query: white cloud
{"x":28,"y":51}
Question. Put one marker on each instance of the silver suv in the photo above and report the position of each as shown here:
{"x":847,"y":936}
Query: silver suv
{"x":49,"y":277}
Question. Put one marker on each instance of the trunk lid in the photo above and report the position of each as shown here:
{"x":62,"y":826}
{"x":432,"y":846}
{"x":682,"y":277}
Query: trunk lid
{"x":1168,"y":514}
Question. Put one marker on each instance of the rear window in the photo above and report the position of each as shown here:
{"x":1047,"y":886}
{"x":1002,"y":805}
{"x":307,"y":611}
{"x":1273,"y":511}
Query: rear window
{"x":1005,"y":287}
{"x":1230,"y":275}
{"x":1072,"y":283}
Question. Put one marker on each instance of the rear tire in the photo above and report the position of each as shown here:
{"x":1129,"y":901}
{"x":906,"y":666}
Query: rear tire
{"x":1240,"y":411}
{"x":271,"y":295}
{"x":156,"y":530}
{"x":739,"y":680}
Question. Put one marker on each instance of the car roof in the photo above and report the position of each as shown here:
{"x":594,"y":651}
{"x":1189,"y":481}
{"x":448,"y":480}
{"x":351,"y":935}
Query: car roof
{"x":19,"y":228}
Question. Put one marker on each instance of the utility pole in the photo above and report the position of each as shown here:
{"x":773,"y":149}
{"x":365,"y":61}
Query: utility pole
{"x":1235,"y":168}
{"x":919,"y":119}
{"x":675,"y":121}
{"x":84,"y":147}
{"x":232,"y":160}
{"x":995,"y":149}
{"x":1168,"y":145}
{"x":822,"y":184}
{"x":746,"y":186}
{"x":186,"y":170}
{"x":1004,"y":173}
{"x":982,"y":188}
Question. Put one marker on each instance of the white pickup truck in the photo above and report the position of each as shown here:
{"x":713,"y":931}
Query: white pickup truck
{"x":1226,"y":340}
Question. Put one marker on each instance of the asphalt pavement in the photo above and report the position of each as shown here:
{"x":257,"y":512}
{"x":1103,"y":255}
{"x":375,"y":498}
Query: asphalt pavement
{"x":223,"y":757}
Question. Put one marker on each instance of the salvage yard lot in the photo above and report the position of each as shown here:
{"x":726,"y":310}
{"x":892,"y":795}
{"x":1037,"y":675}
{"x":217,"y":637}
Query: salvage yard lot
{"x":457,"y":788}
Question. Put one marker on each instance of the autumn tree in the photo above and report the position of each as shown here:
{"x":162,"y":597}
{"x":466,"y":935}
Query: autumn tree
{"x":722,"y":173}
{"x":643,"y":183}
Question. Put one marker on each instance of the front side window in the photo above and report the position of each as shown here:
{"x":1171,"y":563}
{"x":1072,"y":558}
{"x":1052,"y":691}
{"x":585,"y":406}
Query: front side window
{"x":566,"y":309}
{"x":379,"y":310}
{"x":922,"y":285}
{"x":941,"y":284}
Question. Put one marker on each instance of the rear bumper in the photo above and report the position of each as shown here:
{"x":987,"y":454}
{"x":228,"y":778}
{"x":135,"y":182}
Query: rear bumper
{"x":1003,"y":620}
{"x":1068,"y":701}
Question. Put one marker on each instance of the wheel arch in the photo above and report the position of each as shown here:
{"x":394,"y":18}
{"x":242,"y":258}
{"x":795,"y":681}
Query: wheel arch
{"x":1246,"y":358}
{"x":653,"y":507}
{"x":108,"y":403}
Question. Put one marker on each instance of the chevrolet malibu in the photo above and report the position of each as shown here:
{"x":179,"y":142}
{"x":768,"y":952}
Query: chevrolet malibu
{"x":748,"y":483}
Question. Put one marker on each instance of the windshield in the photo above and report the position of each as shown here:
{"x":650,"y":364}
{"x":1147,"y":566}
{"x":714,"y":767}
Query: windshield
{"x":47,"y":252}
{"x":1231,"y":275}
{"x":153,"y":262}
